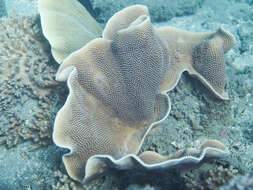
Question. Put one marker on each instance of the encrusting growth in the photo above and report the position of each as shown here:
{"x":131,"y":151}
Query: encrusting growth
{"x":27,"y":86}
{"x":118,"y":91}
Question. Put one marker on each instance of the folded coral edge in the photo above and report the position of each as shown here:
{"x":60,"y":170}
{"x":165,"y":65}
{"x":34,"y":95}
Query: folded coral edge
{"x":132,"y":161}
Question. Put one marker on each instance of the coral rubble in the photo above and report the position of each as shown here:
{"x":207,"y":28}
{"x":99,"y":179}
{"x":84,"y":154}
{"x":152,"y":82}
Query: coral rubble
{"x":210,"y":179}
{"x":65,"y":182}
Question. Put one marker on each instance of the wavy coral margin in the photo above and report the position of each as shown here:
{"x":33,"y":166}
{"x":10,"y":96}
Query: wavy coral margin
{"x":132,"y":160}
{"x":57,"y":118}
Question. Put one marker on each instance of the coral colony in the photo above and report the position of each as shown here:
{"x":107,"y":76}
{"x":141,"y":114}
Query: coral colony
{"x":118,"y":88}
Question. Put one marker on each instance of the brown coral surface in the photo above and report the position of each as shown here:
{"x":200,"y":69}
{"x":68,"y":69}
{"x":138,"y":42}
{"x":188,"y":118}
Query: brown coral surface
{"x":118,"y":87}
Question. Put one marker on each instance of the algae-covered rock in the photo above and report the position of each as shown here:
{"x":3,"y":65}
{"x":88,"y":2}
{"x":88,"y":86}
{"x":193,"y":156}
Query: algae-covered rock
{"x":29,"y":94}
{"x":23,"y":167}
{"x":160,"y":10}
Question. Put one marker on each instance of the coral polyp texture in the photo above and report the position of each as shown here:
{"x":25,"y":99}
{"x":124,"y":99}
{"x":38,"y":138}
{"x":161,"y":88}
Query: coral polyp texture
{"x":27,"y":86}
{"x":118,"y":92}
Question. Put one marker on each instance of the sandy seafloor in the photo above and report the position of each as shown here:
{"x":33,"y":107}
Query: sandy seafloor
{"x":195,"y":115}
